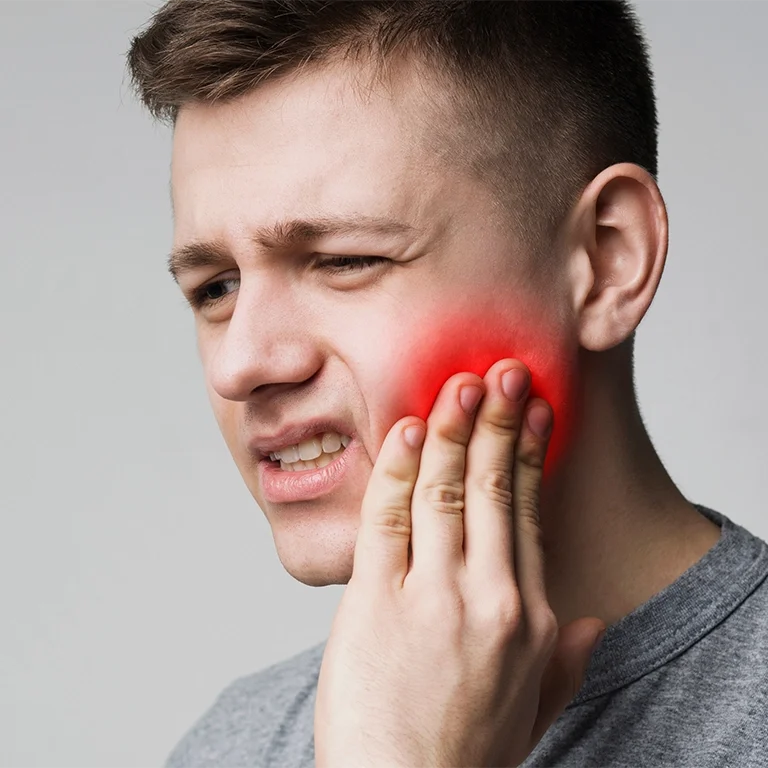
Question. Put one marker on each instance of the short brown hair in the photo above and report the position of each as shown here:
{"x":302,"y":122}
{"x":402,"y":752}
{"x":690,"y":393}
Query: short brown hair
{"x":544,"y":95}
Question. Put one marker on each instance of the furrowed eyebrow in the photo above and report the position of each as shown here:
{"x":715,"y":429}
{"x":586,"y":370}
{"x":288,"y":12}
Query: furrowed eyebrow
{"x":281,"y":236}
{"x":185,"y":258}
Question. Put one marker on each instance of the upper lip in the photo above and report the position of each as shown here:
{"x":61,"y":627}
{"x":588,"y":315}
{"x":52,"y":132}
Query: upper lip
{"x":263,"y":445}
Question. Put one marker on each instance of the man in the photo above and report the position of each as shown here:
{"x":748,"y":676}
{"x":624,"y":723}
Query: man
{"x":378,"y":205}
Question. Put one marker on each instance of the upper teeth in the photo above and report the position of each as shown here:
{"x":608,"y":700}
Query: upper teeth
{"x":307,"y":450}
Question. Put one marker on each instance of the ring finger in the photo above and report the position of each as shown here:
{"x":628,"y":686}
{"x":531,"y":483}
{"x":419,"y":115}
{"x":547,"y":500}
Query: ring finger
{"x":489,"y":481}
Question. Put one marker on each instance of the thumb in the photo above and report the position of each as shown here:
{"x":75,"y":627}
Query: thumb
{"x":564,"y":673}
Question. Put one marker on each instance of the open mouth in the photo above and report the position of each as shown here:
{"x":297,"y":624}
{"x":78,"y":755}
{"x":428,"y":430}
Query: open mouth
{"x":324,"y":450}
{"x":306,"y":480}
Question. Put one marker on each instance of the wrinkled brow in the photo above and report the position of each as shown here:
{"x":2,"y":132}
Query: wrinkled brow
{"x":283,"y":235}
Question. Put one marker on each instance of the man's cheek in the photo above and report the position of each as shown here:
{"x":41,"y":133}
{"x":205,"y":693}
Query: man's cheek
{"x":465,"y":341}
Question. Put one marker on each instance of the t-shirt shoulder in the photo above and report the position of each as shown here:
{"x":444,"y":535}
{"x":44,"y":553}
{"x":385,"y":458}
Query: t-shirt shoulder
{"x":249,"y":714}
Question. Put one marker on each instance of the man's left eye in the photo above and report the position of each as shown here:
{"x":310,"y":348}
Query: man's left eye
{"x":350,"y":263}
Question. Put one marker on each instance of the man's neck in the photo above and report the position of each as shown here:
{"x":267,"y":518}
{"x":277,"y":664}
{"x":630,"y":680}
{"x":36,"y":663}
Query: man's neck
{"x":616,"y":528}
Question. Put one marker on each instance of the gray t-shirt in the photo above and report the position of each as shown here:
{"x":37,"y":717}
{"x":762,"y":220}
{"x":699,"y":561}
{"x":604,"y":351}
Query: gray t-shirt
{"x":681,"y":681}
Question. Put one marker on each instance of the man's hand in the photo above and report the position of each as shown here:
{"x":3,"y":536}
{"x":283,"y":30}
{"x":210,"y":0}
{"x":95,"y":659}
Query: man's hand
{"x":444,"y":650}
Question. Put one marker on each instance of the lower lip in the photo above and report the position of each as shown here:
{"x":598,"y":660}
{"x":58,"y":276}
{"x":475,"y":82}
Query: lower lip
{"x":282,"y":486}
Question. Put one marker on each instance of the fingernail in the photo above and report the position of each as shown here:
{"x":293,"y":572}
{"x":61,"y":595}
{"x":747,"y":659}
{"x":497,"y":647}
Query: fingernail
{"x":414,"y":435}
{"x":469,"y":396}
{"x":540,"y":421}
{"x":514,"y":383}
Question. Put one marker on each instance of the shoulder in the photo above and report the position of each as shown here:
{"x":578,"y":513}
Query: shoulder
{"x":282,"y":682}
{"x":251,"y":712}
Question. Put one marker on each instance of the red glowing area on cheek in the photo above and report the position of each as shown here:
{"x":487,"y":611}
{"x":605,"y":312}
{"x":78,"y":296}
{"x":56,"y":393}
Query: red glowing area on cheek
{"x":466,"y":341}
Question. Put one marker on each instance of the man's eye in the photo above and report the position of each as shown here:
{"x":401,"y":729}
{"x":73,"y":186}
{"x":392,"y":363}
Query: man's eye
{"x":350,"y":263}
{"x":212,"y":293}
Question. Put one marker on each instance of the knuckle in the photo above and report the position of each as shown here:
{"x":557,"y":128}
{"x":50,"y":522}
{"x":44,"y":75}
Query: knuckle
{"x":399,"y":476}
{"x":501,"y":615}
{"x":528,"y":502}
{"x":531,"y":455}
{"x":502,"y":424}
{"x":444,"y":496}
{"x":528,"y":517}
{"x":544,"y":628}
{"x":496,"y":483}
{"x":394,"y":521}
{"x":449,"y":432}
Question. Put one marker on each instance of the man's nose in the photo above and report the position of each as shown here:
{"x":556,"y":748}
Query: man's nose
{"x":267,"y":341}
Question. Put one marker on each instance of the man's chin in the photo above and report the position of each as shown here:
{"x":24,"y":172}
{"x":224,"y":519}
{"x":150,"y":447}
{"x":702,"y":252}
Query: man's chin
{"x":317,"y":558}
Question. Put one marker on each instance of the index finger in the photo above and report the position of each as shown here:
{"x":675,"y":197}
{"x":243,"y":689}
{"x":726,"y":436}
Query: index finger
{"x":384,"y":535}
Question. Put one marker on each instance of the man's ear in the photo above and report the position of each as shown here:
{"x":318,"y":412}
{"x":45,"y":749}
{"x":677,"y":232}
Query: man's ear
{"x":617,"y":246}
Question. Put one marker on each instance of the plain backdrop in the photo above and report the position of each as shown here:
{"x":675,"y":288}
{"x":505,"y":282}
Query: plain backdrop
{"x":137,"y":575}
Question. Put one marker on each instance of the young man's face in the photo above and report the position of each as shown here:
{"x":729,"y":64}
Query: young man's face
{"x":291,"y":341}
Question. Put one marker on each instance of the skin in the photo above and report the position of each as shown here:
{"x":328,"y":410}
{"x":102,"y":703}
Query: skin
{"x":290,"y":342}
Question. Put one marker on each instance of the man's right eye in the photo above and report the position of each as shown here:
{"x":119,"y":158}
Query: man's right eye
{"x":211,"y":293}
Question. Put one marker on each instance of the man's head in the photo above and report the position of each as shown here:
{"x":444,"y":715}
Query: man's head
{"x":480,"y":150}
{"x":533,"y":99}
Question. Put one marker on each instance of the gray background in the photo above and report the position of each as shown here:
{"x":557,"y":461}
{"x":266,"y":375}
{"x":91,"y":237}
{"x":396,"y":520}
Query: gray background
{"x":137,"y":575}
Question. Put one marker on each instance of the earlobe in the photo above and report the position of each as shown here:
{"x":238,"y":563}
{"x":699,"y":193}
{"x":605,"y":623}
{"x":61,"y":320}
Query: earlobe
{"x":619,"y":254}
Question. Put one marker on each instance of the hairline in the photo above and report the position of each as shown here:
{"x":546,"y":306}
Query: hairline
{"x":450,"y":147}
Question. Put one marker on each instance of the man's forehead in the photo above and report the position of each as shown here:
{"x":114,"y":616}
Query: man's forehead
{"x":323,"y":108}
{"x":293,"y":161}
